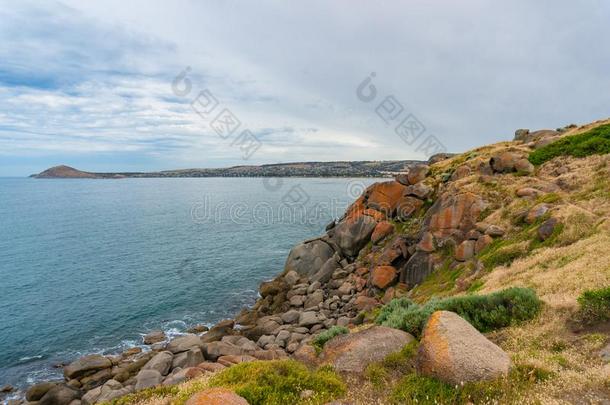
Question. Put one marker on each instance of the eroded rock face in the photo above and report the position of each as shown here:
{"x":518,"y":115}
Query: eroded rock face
{"x":307,"y":258}
{"x":383,"y":276}
{"x":453,"y":351}
{"x":454,"y":212}
{"x":416,"y":269}
{"x":351,"y":236}
{"x":382,"y":230}
{"x":353,"y":352}
{"x":384,"y":196}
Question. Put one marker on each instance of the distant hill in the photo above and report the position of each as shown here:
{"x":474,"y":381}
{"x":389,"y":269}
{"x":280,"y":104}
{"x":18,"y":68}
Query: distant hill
{"x":300,"y":169}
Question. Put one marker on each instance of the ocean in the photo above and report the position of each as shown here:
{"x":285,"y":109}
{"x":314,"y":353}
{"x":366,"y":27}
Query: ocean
{"x":89,"y":266}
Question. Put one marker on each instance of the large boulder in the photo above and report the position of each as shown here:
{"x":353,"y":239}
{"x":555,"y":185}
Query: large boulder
{"x":184,"y":343}
{"x":311,"y":318}
{"x":59,"y":395}
{"x":162,"y":362}
{"x":86,"y":365}
{"x":352,"y":235}
{"x":507,"y":162}
{"x":215,"y":350}
{"x":453,"y":351}
{"x":308,"y":257}
{"x":147,"y":379}
{"x":327,"y":269}
{"x":153,"y":337}
{"x":188,"y":359}
{"x":37,"y":391}
{"x":218,"y":331}
{"x":216,"y":396}
{"x":353,"y":352}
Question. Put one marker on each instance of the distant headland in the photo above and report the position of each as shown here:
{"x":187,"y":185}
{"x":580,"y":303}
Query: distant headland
{"x":300,"y":169}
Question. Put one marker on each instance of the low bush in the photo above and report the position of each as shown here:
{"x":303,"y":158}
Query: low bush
{"x":593,"y":142}
{"x":280,"y":382}
{"x":484,"y":312}
{"x":595,"y":305}
{"x":319,"y":341}
{"x":417,"y":389}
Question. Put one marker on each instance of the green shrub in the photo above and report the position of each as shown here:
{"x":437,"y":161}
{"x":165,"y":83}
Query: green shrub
{"x":319,"y":341}
{"x":484,"y":312}
{"x":279,"y":382}
{"x":416,"y":389}
{"x":595,"y":305}
{"x":593,"y":142}
{"x":392,"y":306}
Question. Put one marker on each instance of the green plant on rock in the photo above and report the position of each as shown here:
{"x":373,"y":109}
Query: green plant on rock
{"x":593,"y":142}
{"x":595,"y":305}
{"x":320,"y":340}
{"x":484,"y":312}
{"x":280,"y":382}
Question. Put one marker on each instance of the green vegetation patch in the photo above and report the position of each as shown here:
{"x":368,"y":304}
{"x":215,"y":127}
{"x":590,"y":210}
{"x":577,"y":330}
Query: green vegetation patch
{"x":593,"y":142}
{"x":595,"y":305}
{"x":416,"y":389}
{"x":319,"y":341}
{"x":484,"y":312}
{"x":280,"y":382}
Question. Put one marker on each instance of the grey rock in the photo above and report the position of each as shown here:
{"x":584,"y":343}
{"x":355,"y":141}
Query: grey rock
{"x":91,"y":396}
{"x":547,"y":228}
{"x":37,"y":391}
{"x":343,"y":321}
{"x":308,"y":257}
{"x":59,"y":395}
{"x":184,"y":343}
{"x":291,"y":278}
{"x":352,"y":236}
{"x":162,"y":362}
{"x":310,"y":318}
{"x":290,"y":316}
{"x":297,"y":301}
{"x":147,"y":379}
{"x":521,"y":134}
{"x":86,"y":365}
{"x":315,"y":299}
{"x":417,"y":268}
{"x":153,"y":337}
{"x":188,"y":359}
{"x":326,"y":271}
{"x":214,"y":350}
{"x":265,"y":340}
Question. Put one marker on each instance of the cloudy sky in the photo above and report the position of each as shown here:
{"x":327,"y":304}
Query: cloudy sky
{"x":89,"y":83}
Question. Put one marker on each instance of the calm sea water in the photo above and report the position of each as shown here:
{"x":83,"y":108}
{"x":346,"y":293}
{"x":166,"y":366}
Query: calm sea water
{"x":90,"y":265}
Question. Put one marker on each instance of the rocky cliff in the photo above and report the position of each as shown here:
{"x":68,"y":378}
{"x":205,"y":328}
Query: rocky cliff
{"x":461,"y":226}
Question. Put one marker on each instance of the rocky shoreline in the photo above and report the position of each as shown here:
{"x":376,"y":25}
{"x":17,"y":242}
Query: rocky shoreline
{"x":389,"y":240}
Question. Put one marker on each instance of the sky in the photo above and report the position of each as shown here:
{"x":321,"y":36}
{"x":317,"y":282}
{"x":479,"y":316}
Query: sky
{"x":136,"y":85}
